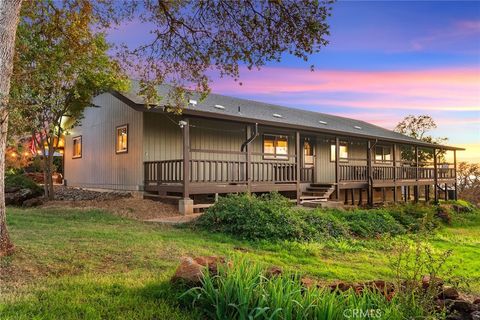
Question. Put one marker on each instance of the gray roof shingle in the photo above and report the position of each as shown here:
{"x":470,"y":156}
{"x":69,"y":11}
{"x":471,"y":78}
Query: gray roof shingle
{"x":265,"y":112}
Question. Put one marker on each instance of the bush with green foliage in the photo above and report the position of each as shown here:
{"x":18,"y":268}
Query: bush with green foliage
{"x":324,"y":224}
{"x":21,"y":181}
{"x":370,"y":223}
{"x":414,"y":216}
{"x":273,"y":217}
{"x":269,"y":216}
{"x":243,"y":291}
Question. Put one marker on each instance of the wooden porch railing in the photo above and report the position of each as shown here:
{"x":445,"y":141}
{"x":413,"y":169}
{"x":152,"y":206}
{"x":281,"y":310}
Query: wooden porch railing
{"x":220,"y":171}
{"x":359,"y":173}
{"x":306,"y":174}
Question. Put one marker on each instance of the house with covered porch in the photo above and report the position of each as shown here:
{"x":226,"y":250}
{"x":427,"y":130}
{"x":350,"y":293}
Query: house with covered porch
{"x":222,"y":145}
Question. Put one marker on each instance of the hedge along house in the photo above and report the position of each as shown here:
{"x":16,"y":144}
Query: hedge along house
{"x":225,"y":145}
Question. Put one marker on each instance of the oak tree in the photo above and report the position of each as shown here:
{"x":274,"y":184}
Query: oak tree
{"x":60,"y":65}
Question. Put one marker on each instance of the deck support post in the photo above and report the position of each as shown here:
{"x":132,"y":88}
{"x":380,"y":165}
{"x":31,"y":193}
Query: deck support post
{"x":394,"y":154}
{"x":352,"y":191}
{"x":427,"y":193}
{"x":369,"y":174}
{"x":416,"y":188}
{"x":186,"y":158}
{"x":337,"y":168}
{"x":446,"y":191}
{"x":346,"y":196}
{"x":455,"y":195}
{"x":360,"y":195}
{"x":384,"y":195}
{"x":186,"y":204}
{"x":248,"y":155}
{"x":435,"y":176}
{"x":297,"y":166}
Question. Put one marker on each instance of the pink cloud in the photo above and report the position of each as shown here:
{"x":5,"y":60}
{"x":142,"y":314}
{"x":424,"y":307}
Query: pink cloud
{"x":433,"y":89}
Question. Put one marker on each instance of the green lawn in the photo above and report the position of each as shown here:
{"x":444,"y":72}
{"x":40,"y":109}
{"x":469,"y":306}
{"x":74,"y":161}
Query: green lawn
{"x":74,"y":264}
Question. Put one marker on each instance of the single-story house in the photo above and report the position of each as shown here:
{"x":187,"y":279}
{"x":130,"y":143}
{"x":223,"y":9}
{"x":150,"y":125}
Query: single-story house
{"x":223,"y":145}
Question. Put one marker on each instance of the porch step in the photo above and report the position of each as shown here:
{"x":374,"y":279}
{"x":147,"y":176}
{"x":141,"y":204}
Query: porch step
{"x":320,"y":185}
{"x":317,"y":193}
{"x":324,"y":189}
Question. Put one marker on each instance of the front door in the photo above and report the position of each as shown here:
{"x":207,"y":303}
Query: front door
{"x":308,"y":161}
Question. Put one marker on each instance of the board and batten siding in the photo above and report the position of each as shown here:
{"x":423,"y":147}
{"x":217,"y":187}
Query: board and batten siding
{"x":100,"y":167}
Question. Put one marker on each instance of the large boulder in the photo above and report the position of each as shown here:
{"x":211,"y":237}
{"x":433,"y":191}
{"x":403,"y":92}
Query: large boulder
{"x":17,"y":198}
{"x":191,"y":270}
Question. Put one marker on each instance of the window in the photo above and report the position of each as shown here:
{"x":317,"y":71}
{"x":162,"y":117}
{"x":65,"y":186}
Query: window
{"x":307,"y":152}
{"x":275,"y":147}
{"x":122,"y":139}
{"x":383,"y":154}
{"x":77,"y":147}
{"x":343,"y":152}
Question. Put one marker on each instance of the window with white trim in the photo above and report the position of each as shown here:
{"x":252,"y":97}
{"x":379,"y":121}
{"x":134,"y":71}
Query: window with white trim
{"x":77,"y":147}
{"x":275,"y":147}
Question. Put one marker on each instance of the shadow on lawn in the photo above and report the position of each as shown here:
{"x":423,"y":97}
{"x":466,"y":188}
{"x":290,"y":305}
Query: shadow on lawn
{"x":100,"y":298}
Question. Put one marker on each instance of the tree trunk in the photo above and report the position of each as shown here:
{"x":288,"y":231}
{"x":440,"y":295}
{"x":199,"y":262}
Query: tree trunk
{"x":9,"y":15}
{"x":48,"y":171}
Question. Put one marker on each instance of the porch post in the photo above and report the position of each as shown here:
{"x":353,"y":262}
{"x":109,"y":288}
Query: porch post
{"x":297,"y":167}
{"x":455,"y":174}
{"x":248,"y":130}
{"x":369,"y":174}
{"x":337,"y":168}
{"x":416,"y":187}
{"x":435,"y":175}
{"x":186,"y":159}
{"x":186,"y":204}
{"x":394,"y":154}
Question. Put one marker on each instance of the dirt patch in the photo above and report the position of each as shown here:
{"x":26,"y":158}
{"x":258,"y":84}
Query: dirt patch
{"x":118,"y":203}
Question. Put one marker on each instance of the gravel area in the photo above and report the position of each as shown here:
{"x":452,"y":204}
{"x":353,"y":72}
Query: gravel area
{"x":118,"y":203}
{"x":78,"y":194}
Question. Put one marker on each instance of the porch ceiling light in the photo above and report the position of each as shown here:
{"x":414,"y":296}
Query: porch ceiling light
{"x":358,"y":127}
{"x":219,"y":106}
{"x":322,"y":122}
{"x":276,"y":115}
{"x":192,"y":102}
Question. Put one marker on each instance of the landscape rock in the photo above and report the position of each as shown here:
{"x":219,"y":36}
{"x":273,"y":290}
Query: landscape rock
{"x":188,"y":271}
{"x":18,"y":197}
{"x":78,"y":194}
{"x":33,"y":202}
{"x":475,"y":315}
{"x":459,"y":305}
{"x":273,"y":271}
{"x":449,"y":293}
{"x":211,"y":262}
{"x":308,"y":282}
{"x":427,"y":281}
{"x":11,"y":189}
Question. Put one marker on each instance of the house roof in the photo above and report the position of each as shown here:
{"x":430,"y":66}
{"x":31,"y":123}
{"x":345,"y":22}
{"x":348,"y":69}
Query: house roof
{"x":231,"y":108}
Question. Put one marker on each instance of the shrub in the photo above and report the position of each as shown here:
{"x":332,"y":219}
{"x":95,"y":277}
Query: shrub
{"x":324,"y":224}
{"x":269,"y":217}
{"x":21,"y":181}
{"x":370,"y":223}
{"x":414,"y":216}
{"x":243,"y":291}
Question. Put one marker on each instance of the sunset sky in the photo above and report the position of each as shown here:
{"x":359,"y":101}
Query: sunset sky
{"x":385,"y":60}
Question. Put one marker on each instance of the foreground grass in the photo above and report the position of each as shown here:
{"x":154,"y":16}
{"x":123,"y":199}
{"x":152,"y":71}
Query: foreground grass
{"x":74,"y":264}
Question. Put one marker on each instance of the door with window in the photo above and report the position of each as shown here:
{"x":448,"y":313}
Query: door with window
{"x":308,"y":160}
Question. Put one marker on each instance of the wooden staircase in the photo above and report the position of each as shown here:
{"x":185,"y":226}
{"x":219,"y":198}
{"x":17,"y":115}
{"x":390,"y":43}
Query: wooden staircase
{"x":317,"y":192}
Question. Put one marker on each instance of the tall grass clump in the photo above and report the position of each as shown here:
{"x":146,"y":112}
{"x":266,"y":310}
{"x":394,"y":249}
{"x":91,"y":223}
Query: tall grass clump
{"x":243,"y":291}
